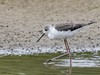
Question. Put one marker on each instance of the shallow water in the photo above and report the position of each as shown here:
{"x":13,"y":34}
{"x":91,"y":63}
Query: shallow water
{"x":78,"y":62}
{"x":33,"y":65}
{"x":81,"y":62}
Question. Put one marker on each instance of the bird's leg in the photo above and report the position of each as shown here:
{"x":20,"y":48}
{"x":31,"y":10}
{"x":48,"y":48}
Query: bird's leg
{"x":69,"y":53}
{"x":66,"y":46}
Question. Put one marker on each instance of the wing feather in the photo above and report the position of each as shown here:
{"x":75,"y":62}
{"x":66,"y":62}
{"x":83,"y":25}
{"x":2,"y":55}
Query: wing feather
{"x":70,"y":26}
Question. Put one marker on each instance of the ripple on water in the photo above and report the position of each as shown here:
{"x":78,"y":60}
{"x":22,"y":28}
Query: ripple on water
{"x":79,"y":63}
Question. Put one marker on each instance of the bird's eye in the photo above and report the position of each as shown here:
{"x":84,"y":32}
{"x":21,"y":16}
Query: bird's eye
{"x":46,"y":30}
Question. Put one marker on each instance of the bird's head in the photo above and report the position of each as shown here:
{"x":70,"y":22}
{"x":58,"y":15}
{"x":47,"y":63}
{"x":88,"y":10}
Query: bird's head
{"x":45,"y":31}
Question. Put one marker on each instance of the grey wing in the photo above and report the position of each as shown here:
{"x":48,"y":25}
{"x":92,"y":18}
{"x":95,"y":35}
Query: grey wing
{"x":77,"y":26}
{"x":71,"y":26}
{"x":64,"y":27}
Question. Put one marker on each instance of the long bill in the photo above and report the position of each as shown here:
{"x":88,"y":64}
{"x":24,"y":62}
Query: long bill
{"x":40,"y":37}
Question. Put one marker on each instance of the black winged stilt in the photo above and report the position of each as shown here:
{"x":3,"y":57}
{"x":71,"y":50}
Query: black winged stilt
{"x":63,"y":31}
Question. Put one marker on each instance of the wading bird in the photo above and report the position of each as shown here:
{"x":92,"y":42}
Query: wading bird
{"x":63,"y":31}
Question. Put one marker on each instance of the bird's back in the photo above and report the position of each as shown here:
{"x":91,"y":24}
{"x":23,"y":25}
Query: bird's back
{"x":71,"y":26}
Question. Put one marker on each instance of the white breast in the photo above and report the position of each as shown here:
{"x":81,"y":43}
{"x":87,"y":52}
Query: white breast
{"x":54,"y":34}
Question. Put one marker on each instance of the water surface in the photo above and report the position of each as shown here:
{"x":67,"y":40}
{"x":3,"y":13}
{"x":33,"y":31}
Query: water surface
{"x":33,"y":65}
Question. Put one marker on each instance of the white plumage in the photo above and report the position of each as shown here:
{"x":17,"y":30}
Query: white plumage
{"x":55,"y":34}
{"x":63,"y":30}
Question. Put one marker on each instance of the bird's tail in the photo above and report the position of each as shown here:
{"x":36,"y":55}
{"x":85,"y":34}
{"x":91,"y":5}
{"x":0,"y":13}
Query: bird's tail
{"x":91,"y":22}
{"x":78,"y":27}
